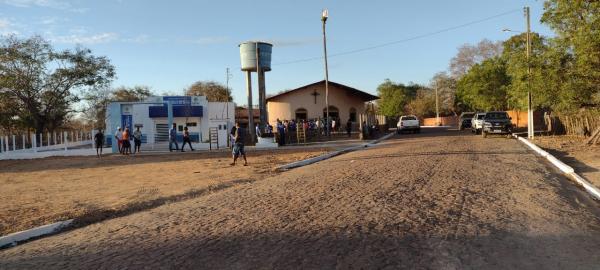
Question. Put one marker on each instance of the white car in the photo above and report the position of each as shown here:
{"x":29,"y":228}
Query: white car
{"x":408,"y":123}
{"x":477,"y":123}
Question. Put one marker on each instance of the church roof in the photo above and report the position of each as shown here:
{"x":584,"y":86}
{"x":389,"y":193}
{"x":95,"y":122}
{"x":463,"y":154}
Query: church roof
{"x":353,"y":91}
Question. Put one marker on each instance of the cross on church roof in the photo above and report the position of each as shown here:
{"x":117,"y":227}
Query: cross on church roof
{"x":315,"y":94}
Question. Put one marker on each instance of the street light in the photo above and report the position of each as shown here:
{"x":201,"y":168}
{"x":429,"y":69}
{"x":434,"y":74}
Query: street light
{"x":324,"y":16}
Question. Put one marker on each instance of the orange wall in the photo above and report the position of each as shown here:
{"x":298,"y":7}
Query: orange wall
{"x":519,"y":119}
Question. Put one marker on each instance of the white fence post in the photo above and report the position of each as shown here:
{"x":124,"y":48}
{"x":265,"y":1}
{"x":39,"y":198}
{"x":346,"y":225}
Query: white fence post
{"x":1,"y":145}
{"x":23,"y":145}
{"x":6,"y":143}
{"x":14,"y":143}
{"x":33,"y":143}
{"x":41,"y":139}
{"x":65,"y":140}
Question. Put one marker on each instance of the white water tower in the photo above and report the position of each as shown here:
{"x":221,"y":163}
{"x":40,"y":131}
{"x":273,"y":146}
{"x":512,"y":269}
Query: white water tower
{"x":256,"y":57}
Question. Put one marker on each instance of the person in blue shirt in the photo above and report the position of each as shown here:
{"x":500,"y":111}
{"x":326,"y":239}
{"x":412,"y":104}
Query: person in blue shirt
{"x":238,"y":146}
{"x":173,"y":138}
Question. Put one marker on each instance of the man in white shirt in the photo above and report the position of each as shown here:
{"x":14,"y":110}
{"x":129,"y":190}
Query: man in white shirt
{"x":119,"y":139}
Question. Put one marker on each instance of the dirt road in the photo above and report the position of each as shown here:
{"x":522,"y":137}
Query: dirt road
{"x":439,"y":200}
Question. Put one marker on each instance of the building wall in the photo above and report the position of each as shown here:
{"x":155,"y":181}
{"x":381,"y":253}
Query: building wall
{"x":215,"y":114}
{"x":284,"y":107}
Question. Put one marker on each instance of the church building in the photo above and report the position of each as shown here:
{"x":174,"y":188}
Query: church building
{"x":308,"y":102}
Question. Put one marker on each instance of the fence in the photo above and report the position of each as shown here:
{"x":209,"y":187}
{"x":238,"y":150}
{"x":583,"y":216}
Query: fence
{"x":583,"y":123}
{"x":19,"y":145}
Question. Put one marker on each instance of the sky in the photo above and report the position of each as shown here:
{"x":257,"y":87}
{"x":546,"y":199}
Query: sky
{"x":168,"y":45}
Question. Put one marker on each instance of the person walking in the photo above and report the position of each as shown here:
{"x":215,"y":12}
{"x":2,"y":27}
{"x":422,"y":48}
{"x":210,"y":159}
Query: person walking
{"x":232,"y":136}
{"x":99,"y":140}
{"x":238,"y":147}
{"x":257,"y":130}
{"x":173,"y":138}
{"x":281,"y":133}
{"x":126,"y":142}
{"x":186,"y":139}
{"x":137,"y":140}
{"x":349,"y":128}
{"x":119,"y":139}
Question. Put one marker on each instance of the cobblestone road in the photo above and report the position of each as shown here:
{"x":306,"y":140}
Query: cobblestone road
{"x":438,"y":200}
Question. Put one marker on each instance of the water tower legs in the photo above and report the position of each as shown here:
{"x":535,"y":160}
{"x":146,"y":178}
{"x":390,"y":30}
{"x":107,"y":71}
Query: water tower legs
{"x":250,"y":111}
{"x":262,"y":101}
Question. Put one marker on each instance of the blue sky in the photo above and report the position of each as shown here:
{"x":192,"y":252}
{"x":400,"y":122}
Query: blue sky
{"x":168,"y":45}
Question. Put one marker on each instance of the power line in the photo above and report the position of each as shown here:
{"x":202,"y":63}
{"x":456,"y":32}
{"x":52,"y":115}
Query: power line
{"x":402,"y":40}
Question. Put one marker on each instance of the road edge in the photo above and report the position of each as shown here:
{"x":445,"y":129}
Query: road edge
{"x":13,"y":239}
{"x":566,"y":169}
{"x":308,"y":161}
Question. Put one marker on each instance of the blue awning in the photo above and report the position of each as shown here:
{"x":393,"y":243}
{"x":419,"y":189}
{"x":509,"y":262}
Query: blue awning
{"x":178,"y":111}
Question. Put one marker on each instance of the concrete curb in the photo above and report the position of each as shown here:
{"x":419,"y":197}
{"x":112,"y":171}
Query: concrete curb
{"x":13,"y":238}
{"x":308,"y":161}
{"x":566,"y":169}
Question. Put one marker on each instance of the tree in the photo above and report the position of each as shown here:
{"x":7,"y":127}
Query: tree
{"x":44,"y":82}
{"x":393,"y":97}
{"x":484,"y":86}
{"x":97,"y":99}
{"x":543,"y":86}
{"x":423,"y":105}
{"x":577,"y":25}
{"x":468,"y":55}
{"x":136,"y":93}
{"x":213,"y":91}
{"x":446,"y":87}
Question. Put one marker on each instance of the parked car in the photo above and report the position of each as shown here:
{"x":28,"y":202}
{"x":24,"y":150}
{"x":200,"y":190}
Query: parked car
{"x":408,"y":123}
{"x":496,"y":123}
{"x":477,"y":123}
{"x":464,"y":120}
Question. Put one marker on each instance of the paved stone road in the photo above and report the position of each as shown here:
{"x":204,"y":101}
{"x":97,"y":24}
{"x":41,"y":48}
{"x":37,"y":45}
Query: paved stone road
{"x":438,"y":200}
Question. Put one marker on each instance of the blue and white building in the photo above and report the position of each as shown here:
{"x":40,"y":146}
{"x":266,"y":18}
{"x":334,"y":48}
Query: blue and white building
{"x":155,"y":116}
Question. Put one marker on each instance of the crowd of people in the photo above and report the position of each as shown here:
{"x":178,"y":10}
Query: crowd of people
{"x":315,"y":126}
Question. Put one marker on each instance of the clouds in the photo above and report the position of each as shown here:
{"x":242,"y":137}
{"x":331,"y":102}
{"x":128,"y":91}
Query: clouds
{"x":86,"y":39}
{"x":7,"y":27}
{"x":53,"y":4}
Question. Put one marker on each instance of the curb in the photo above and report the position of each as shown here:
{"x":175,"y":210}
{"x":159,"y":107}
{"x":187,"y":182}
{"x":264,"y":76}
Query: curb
{"x":12,"y":239}
{"x":312,"y":160}
{"x":566,"y":169}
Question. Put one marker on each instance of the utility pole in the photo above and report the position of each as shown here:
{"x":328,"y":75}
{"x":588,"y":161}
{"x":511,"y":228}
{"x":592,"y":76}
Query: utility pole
{"x":324,"y":16}
{"x":437,"y":108}
{"x":227,"y":77}
{"x":530,"y":124}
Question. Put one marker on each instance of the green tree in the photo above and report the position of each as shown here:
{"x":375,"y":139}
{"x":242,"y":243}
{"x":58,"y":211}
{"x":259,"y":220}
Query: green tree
{"x":543,"y":85}
{"x":484,"y":86}
{"x":577,"y":25}
{"x":213,"y":91}
{"x":393,"y":97}
{"x":44,"y":83}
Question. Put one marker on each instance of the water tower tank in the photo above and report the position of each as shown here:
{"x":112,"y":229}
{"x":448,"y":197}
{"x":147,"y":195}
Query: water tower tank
{"x":248,"y":55}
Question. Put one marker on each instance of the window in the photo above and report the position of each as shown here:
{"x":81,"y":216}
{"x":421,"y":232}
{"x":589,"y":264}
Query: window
{"x":193,"y":124}
{"x":180,"y":128}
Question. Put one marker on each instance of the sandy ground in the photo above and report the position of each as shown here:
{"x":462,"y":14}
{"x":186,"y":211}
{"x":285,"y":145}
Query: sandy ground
{"x":42,"y":191}
{"x":585,"y":159}
{"x":436,"y":200}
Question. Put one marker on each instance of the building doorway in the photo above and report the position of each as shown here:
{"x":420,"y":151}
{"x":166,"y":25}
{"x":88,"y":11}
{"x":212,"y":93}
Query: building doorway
{"x":334,"y":113}
{"x":301,"y":114}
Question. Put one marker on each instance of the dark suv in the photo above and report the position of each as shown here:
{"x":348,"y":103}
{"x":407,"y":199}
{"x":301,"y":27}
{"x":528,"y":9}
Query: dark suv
{"x":496,"y":123}
{"x":464,"y":121}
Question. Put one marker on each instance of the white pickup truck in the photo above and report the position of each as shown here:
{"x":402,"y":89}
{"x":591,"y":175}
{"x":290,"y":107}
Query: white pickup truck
{"x":477,"y":123}
{"x":408,"y":123}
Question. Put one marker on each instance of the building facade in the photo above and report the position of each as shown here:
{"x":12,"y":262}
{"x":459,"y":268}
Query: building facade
{"x":155,"y":115}
{"x":308,"y":102}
